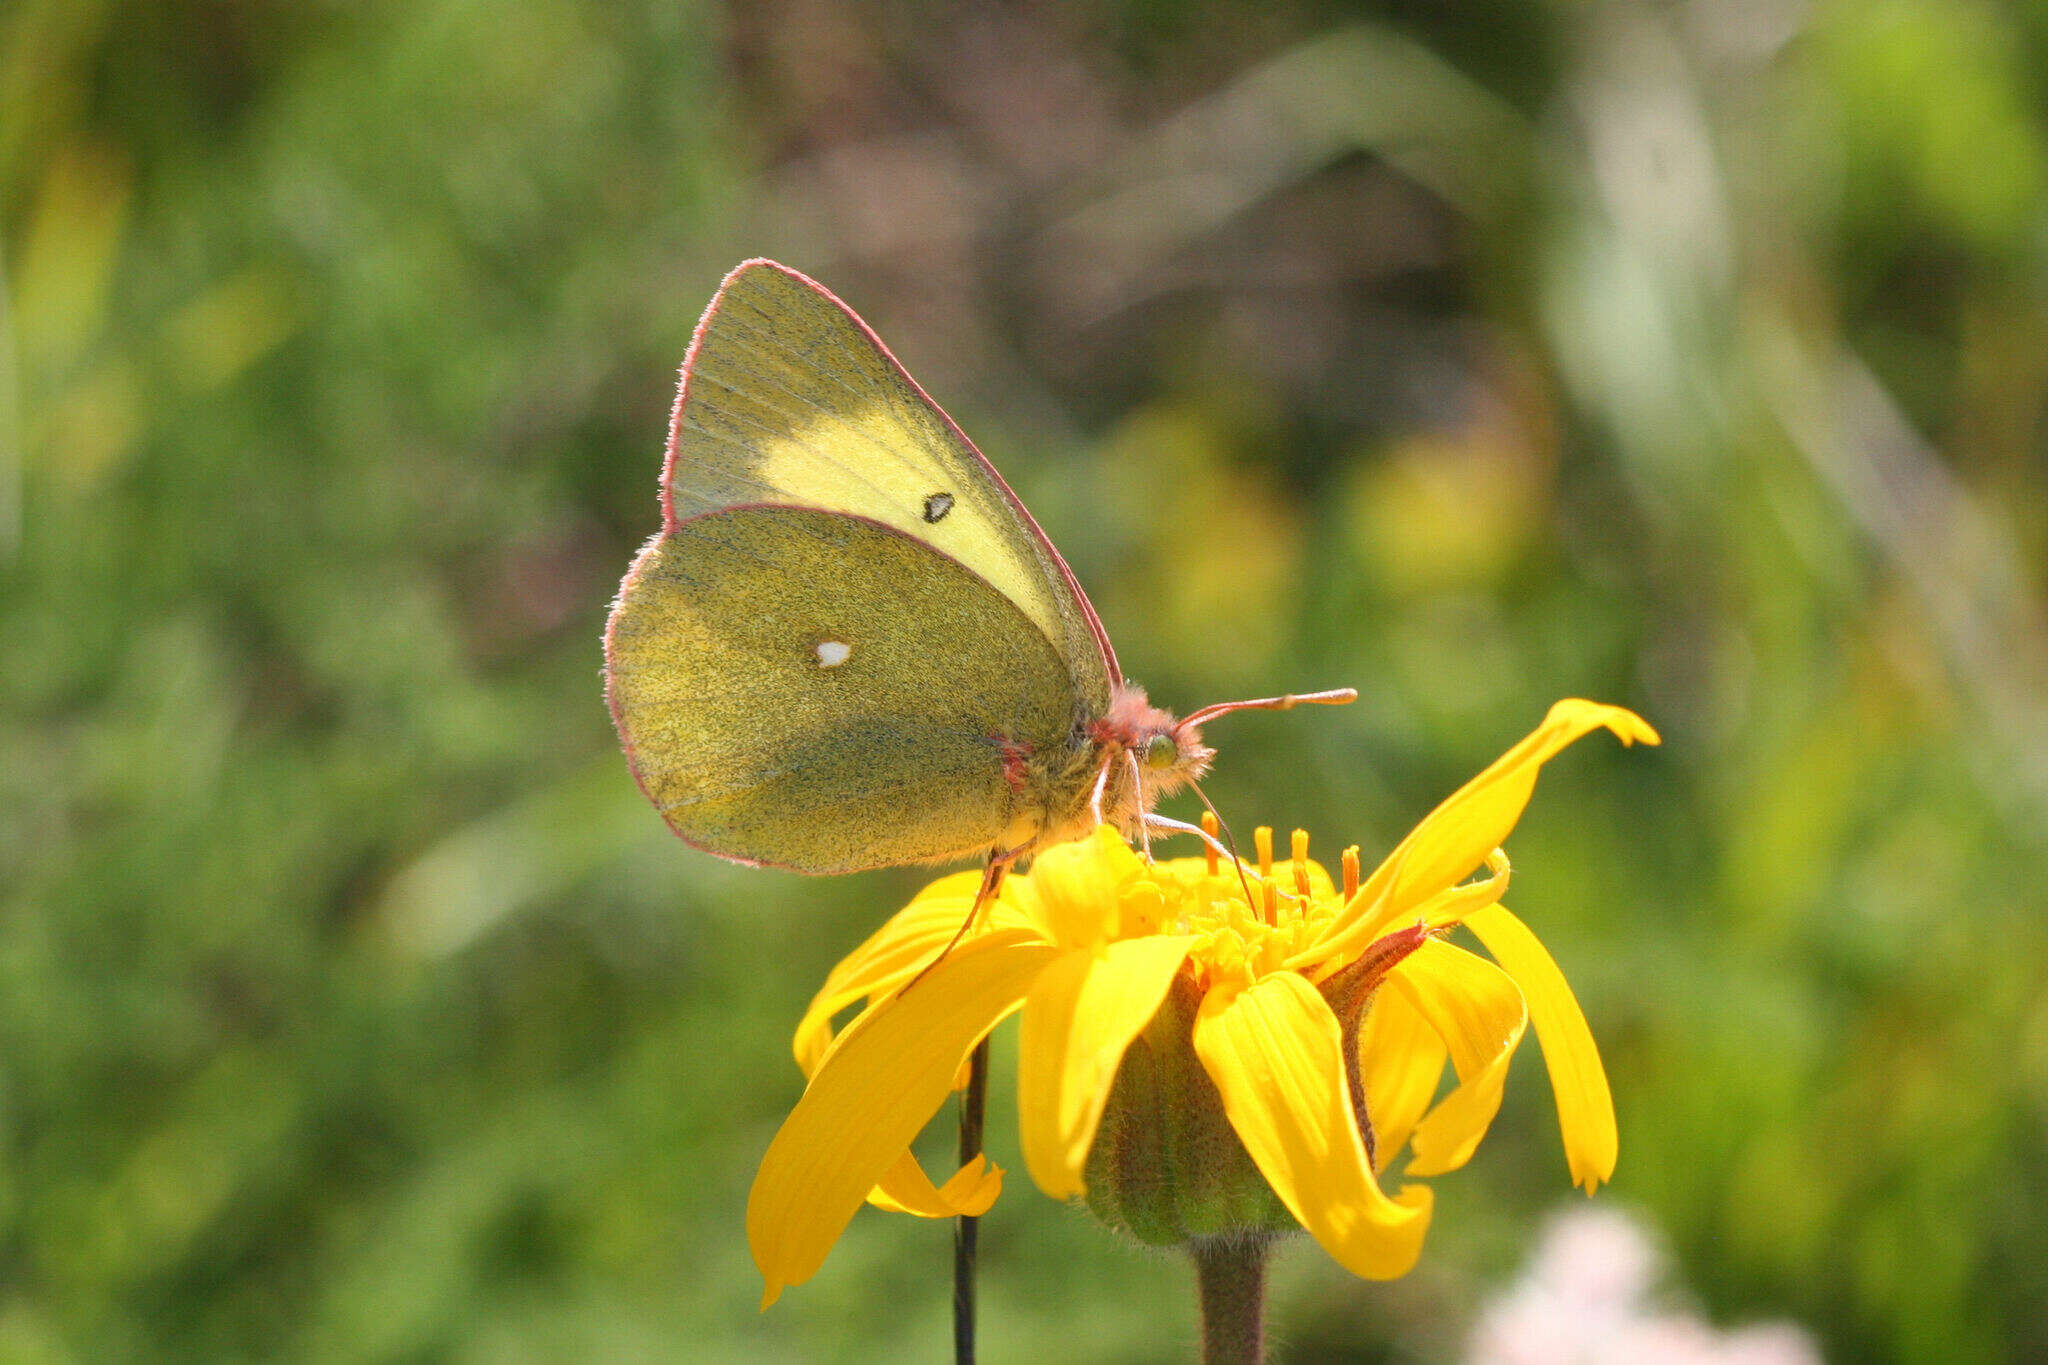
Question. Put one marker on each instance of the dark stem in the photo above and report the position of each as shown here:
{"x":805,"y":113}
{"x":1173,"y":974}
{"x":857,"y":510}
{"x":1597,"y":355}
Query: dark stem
{"x":1231,"y":1272}
{"x":972,"y":1105}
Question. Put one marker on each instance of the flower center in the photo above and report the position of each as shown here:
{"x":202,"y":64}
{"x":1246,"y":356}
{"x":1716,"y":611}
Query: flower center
{"x":1238,"y":939}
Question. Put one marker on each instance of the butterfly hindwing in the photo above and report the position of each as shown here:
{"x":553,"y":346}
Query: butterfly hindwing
{"x":819,"y":691}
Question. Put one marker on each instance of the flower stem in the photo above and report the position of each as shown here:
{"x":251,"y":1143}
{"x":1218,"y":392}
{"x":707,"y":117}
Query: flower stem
{"x":1231,"y":1272}
{"x":972,"y":1106}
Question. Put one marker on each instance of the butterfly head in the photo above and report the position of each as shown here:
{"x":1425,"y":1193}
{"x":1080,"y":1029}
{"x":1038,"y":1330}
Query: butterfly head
{"x":1169,"y":752}
{"x":1137,"y":753}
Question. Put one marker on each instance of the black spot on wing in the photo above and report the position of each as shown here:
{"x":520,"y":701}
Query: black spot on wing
{"x":937,"y":505}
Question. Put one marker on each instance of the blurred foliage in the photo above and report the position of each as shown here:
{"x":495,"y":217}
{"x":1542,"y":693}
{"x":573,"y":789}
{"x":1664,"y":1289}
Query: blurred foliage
{"x":354,"y":1007}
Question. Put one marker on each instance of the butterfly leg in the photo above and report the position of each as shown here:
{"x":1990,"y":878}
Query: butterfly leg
{"x":992,"y":875}
{"x":1138,"y":794}
{"x":1168,"y":825}
{"x":1101,"y":784}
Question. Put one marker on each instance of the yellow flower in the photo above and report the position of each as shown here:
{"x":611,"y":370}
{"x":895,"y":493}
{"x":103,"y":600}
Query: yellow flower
{"x":1313,"y":1027}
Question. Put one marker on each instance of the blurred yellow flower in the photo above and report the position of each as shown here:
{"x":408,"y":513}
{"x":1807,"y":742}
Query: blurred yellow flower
{"x":1268,"y":1049}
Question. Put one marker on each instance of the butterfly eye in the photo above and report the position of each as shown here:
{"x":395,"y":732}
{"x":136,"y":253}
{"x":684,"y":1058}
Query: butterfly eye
{"x":1161,"y":751}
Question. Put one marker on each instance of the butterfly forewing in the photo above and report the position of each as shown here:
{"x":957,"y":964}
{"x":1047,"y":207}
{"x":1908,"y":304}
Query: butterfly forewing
{"x":789,"y":398}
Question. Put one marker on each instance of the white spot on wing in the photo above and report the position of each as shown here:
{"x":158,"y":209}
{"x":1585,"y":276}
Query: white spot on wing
{"x":832,"y":653}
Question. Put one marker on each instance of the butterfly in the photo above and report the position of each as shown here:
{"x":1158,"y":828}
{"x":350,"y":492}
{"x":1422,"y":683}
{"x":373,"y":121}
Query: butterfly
{"x":850,"y":646}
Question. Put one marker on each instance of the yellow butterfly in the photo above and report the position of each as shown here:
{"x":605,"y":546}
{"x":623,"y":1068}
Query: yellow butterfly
{"x":850,"y":646}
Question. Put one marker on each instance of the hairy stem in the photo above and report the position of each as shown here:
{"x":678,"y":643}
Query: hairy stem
{"x":1231,"y":1273}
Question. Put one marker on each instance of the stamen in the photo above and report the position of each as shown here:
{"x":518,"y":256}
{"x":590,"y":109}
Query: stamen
{"x":1210,"y":824}
{"x":1236,"y":862}
{"x":1262,"y":844}
{"x":1298,"y":847}
{"x":1350,"y":872}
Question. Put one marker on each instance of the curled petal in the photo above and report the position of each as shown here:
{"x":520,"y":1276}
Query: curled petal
{"x":1474,"y":1007}
{"x":877,"y":1085}
{"x":1275,"y":1052}
{"x":971,"y":1192}
{"x":1457,"y":836}
{"x":1585,"y":1106}
{"x":1400,"y":1061}
{"x":1083,"y":1011}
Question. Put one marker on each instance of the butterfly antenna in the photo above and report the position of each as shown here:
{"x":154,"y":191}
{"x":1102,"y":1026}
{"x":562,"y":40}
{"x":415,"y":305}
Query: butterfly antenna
{"x":1338,"y":696}
{"x":1229,"y":842}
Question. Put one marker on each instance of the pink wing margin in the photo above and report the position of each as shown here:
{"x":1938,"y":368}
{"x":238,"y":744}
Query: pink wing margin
{"x":611,"y":686}
{"x":675,"y":426}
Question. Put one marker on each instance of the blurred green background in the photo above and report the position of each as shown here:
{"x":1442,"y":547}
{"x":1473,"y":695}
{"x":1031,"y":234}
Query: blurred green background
{"x":353,"y":1004}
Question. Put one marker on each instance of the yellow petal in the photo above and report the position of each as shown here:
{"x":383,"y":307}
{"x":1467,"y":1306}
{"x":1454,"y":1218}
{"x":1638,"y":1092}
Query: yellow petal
{"x":1082,"y":1013}
{"x":1474,"y":1007}
{"x":1457,"y":836}
{"x":1401,"y":1061}
{"x":1275,"y":1052}
{"x":893,"y":954}
{"x":1585,"y":1106}
{"x":1072,"y":888}
{"x":905,"y":1188}
{"x":879,"y":1083}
